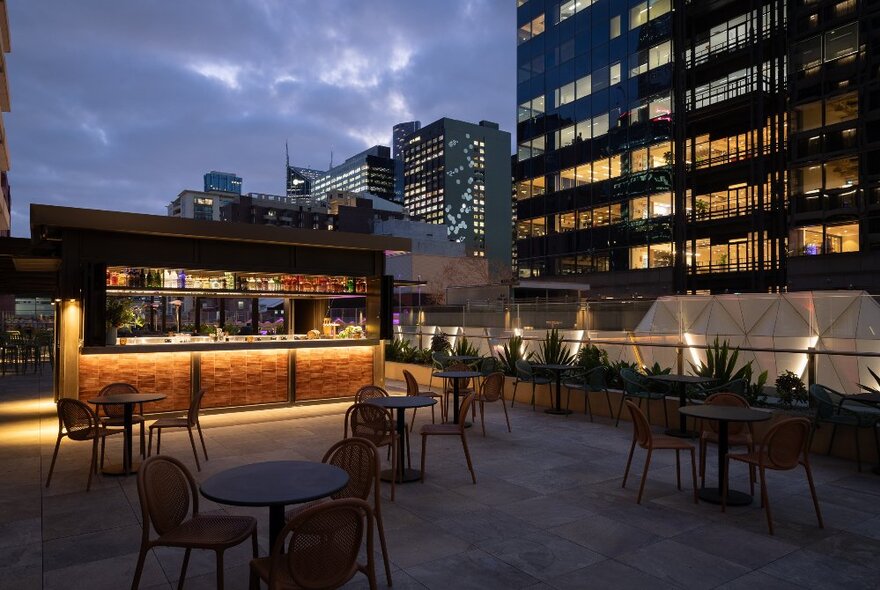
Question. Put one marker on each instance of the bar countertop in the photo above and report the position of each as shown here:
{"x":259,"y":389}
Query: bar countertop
{"x":210,"y":345}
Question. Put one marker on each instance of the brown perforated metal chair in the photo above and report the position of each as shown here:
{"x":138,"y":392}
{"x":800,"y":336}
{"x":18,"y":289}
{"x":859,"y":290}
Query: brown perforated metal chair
{"x":190,"y":421}
{"x":738,"y":434}
{"x":412,"y":388}
{"x":78,"y":422}
{"x":785,"y":446}
{"x":322,"y":550}
{"x":114,"y":415}
{"x":492,"y":390}
{"x":450,"y":429}
{"x":643,"y":437}
{"x":377,"y":426}
{"x":369,"y":392}
{"x":360,"y":459}
{"x":167,"y":491}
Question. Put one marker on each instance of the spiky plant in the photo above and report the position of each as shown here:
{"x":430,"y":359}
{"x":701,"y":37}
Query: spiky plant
{"x":464,"y":348}
{"x":553,"y":350}
{"x":656,"y":369}
{"x":512,"y":351}
{"x":720,"y":363}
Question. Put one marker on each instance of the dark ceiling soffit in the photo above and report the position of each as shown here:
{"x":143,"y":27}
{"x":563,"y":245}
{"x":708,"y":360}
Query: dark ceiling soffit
{"x":46,"y":218}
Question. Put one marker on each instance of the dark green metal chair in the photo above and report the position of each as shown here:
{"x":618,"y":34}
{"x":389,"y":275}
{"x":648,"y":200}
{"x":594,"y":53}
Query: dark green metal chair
{"x":639,"y":387}
{"x":830,"y":409}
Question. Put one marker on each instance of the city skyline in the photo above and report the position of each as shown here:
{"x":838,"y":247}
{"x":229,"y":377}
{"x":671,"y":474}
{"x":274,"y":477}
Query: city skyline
{"x":115,"y":116}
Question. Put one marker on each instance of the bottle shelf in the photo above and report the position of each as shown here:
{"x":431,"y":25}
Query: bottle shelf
{"x":164,"y":292}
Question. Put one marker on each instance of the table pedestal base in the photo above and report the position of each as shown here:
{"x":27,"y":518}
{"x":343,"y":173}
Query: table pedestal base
{"x":558,"y":412}
{"x":409,"y":475}
{"x":679,"y":433}
{"x":734,"y":498}
{"x":119,"y":470}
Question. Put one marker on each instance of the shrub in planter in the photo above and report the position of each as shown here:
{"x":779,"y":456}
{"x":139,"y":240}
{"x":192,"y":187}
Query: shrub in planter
{"x":613,"y":373}
{"x":591,"y":356}
{"x":790,"y":389}
{"x":440,"y":342}
{"x":656,"y":369}
{"x":464,"y":348}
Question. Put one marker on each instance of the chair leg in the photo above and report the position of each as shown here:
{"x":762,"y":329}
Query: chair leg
{"x":202,"y":438}
{"x":703,"y":448}
{"x":724,"y":484}
{"x":424,"y":448}
{"x":150,"y":444}
{"x":608,"y":400}
{"x":192,"y":441}
{"x":678,"y":468}
{"x":467,"y":456}
{"x":507,"y":418}
{"x":620,"y":410}
{"x":394,"y":460}
{"x":143,"y":441}
{"x":219,"y":570}
{"x":54,"y":457}
{"x":139,"y":568}
{"x":813,"y":493}
{"x":647,"y":403}
{"x":255,"y":580}
{"x":629,"y":459}
{"x":412,"y":422}
{"x":255,"y":544}
{"x":765,"y":499}
{"x":513,"y":397}
{"x":183,"y":568}
{"x":93,"y":464}
{"x":483,"y":417}
{"x":665,"y":411}
{"x":831,"y":441}
{"x":533,"y":395}
{"x":158,"y":441}
{"x":103,"y":446}
{"x":381,"y":527}
{"x":587,"y":407}
{"x":694,"y":477}
{"x":644,"y":476}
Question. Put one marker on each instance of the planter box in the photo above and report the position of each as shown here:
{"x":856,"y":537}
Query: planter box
{"x":844,"y":442}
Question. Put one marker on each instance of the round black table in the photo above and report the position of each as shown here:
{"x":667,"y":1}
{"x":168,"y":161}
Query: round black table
{"x":455,"y":376}
{"x":558,"y":369}
{"x":274,"y":484}
{"x":401,"y":403}
{"x":127,"y":401}
{"x":463,"y":358}
{"x":681,"y":382}
{"x":723,"y":415}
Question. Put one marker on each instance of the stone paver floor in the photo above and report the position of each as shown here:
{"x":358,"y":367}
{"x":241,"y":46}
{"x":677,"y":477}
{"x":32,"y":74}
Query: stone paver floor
{"x":547,"y":511}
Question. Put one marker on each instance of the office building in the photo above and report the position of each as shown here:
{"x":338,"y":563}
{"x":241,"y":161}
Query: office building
{"x":199,"y":205}
{"x":370,"y":171}
{"x":5,"y":192}
{"x":264,"y":209}
{"x":301,"y":180}
{"x":653,"y":144}
{"x":400,"y":133}
{"x":222,"y":182}
{"x":458,"y":174}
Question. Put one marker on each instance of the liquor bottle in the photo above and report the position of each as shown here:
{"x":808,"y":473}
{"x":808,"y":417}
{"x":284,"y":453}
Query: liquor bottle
{"x":181,"y":279}
{"x":349,"y":285}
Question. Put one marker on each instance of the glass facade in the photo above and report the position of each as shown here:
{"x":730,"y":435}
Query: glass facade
{"x":224,"y":182}
{"x":371,"y":171}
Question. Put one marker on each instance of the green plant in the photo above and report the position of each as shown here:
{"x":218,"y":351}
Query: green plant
{"x":440,"y":342}
{"x":591,"y":356}
{"x":120,"y":312}
{"x":702,"y":207}
{"x":511,"y":352}
{"x":656,"y":369}
{"x":232,"y":329}
{"x":422,"y":356}
{"x":553,"y":350}
{"x":398,"y":350}
{"x":464,"y":348}
{"x":754,"y":393}
{"x":876,"y":380}
{"x":720,"y":363}
{"x":790,"y":388}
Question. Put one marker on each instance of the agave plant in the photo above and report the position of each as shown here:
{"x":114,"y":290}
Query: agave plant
{"x":720,"y":363}
{"x":553,"y":350}
{"x":511,"y":352}
{"x":464,"y":348}
{"x":400,"y":351}
{"x":876,"y":388}
{"x":656,"y":369}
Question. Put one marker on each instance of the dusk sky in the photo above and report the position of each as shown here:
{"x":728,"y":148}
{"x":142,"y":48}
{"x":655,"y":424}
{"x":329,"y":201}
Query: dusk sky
{"x":121,"y":105}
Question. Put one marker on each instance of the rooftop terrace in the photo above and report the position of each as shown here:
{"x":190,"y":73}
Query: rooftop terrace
{"x":547,"y":511}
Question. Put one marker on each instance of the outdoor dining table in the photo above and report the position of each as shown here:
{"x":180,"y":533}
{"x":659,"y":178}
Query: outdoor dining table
{"x":127,"y":401}
{"x":401,"y":403}
{"x":274,"y":484}
{"x":724,"y":415}
{"x":455,"y":376}
{"x":558,"y":370}
{"x":463,"y":358}
{"x":681,"y":382}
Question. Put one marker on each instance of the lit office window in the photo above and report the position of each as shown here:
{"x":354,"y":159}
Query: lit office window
{"x":841,"y":42}
{"x":615,"y":27}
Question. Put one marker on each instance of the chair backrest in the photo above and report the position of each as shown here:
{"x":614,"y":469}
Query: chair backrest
{"x":369,"y":392}
{"x":826,"y":400}
{"x":462,"y":383}
{"x":360,"y":459}
{"x":439,"y":360}
{"x":524,"y":370}
{"x":412,"y":386}
{"x":195,"y":406}
{"x":488,"y":365}
{"x":113,"y":389}
{"x":632,"y":381}
{"x":641,"y":426}
{"x":493,"y":387}
{"x":166,"y":490}
{"x":785,"y":442}
{"x":370,"y":422}
{"x":325,"y":541}
{"x":463,"y":411}
{"x":595,"y":379}
{"x":78,"y":419}
{"x":726,"y":398}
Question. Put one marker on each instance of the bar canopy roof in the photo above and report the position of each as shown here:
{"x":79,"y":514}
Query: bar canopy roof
{"x":48,"y":221}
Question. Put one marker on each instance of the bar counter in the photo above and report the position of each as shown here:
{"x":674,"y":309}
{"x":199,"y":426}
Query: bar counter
{"x":235,"y":373}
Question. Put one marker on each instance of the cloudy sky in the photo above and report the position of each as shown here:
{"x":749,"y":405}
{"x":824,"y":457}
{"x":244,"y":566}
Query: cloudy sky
{"x":120,"y":104}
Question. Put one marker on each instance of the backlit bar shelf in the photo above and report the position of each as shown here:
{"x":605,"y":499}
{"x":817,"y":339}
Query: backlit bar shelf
{"x":160,"y":292}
